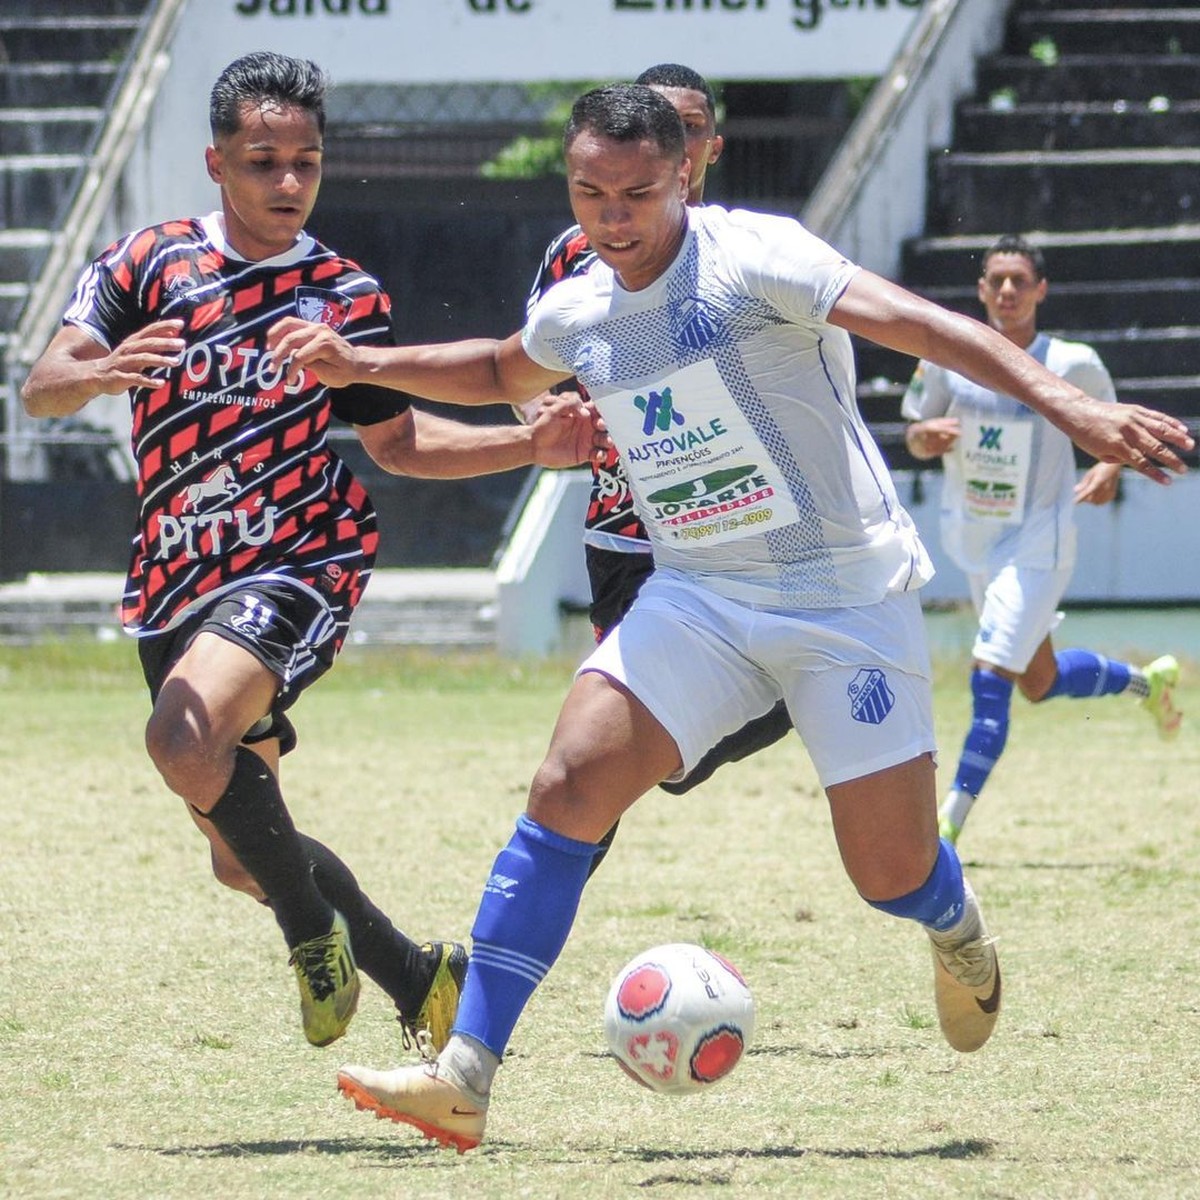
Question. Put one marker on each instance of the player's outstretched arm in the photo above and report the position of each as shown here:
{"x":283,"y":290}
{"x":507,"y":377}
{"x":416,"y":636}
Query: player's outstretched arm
{"x":474,"y":371}
{"x":75,"y":368}
{"x":421,"y":444}
{"x":1126,"y":434}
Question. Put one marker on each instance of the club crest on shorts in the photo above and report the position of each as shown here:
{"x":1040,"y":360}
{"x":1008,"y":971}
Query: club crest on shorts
{"x":870,"y":697}
{"x":323,"y":307}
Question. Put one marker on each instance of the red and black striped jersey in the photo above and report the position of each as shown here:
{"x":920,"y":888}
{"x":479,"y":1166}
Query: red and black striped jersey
{"x":236,"y":479}
{"x":610,"y":511}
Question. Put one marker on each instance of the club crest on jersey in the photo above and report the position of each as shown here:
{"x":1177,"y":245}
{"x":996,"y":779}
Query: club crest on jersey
{"x":696,"y":324}
{"x":870,"y":697}
{"x":321,"y":306}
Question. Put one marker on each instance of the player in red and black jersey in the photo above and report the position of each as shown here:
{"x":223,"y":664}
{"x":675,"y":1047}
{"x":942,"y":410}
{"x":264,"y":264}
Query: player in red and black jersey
{"x":254,"y":541}
{"x":616,"y":547}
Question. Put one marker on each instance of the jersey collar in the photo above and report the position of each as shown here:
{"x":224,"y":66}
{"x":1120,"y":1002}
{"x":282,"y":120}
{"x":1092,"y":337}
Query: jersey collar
{"x":214,"y":230}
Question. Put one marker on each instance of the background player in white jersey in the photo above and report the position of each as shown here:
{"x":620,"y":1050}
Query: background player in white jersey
{"x":1007,"y":520}
{"x":254,"y":541}
{"x":716,"y":346}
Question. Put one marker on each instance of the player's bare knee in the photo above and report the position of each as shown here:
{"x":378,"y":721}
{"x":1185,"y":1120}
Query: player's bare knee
{"x":892,"y":874}
{"x":189,"y":767}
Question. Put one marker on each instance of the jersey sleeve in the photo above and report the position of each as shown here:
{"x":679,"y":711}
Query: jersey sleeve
{"x":105,"y":303}
{"x":794,"y":270}
{"x":1090,"y":375}
{"x":537,"y":346}
{"x":369,"y":324}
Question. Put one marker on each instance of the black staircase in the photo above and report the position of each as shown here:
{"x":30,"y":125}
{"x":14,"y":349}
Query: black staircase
{"x":1083,"y":133}
{"x":59,"y":61}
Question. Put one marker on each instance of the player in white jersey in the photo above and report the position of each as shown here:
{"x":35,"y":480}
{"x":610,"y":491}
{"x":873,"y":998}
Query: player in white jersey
{"x":715,"y":346}
{"x":1007,"y":519}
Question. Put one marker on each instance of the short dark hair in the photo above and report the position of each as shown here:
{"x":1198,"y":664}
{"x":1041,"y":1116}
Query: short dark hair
{"x":675,"y":75}
{"x":1014,"y":243}
{"x":627,"y":112}
{"x":264,"y":77}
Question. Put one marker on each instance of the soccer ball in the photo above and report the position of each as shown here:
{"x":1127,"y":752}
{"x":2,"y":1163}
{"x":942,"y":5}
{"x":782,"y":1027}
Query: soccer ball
{"x":678,"y":1018}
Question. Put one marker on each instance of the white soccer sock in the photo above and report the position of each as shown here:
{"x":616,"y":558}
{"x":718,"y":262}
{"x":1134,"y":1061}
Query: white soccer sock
{"x":966,"y":928}
{"x":955,"y":808}
{"x":1138,"y":685}
{"x":470,"y":1064}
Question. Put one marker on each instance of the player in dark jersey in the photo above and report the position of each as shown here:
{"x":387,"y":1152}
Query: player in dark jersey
{"x":254,"y":541}
{"x":616,"y":547}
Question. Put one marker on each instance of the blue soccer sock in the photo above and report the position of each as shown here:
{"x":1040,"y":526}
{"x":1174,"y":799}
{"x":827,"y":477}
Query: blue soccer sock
{"x":938,"y":902}
{"x":991,"y":696}
{"x":528,"y":907}
{"x":1083,"y":673}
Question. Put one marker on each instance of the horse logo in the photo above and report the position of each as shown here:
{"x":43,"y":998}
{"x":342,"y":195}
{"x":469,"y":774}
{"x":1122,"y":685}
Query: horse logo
{"x":218,"y":484}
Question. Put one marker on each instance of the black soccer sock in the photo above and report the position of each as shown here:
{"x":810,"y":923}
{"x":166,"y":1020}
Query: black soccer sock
{"x":605,"y":844}
{"x":382,"y":952}
{"x":755,"y":735}
{"x":256,"y":826}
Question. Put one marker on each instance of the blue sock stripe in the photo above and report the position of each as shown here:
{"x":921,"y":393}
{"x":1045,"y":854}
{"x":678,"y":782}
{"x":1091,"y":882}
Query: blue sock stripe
{"x":971,"y":758}
{"x":1084,"y":674}
{"x":509,"y":964}
{"x":499,"y":955}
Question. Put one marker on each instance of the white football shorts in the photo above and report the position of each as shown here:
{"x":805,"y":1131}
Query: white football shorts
{"x":856,"y":680}
{"x":1018,"y":609}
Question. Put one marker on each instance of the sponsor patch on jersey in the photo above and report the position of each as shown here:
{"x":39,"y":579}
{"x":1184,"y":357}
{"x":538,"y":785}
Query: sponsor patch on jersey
{"x":323,"y":307}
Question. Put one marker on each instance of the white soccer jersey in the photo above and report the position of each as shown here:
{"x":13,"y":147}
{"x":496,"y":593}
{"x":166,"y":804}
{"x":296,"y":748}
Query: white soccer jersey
{"x":1007,"y":496}
{"x":732,"y":403}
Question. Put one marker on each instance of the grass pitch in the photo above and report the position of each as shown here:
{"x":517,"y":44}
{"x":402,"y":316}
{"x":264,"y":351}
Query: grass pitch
{"x":150,"y":1043}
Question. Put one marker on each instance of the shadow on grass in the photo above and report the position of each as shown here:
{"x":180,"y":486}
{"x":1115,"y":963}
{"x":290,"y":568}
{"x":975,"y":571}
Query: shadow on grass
{"x":288,"y":1146}
{"x":957,"y":1149}
{"x":985,"y":864}
{"x":381,"y":1148}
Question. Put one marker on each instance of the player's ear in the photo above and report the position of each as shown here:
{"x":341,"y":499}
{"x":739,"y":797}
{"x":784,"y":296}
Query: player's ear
{"x":715,"y":146}
{"x":212,"y":163}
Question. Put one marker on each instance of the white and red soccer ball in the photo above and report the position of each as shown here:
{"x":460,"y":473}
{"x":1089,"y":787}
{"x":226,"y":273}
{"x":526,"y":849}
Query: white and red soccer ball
{"x":678,"y":1018}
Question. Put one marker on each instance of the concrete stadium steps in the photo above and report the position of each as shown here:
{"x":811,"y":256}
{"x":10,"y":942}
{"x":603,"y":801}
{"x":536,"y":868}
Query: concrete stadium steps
{"x":65,"y":10}
{"x":1083,"y":134}
{"x":59,"y":63}
{"x":37,"y":188}
{"x":1079,"y":125}
{"x":1166,"y":255}
{"x":1103,"y":29}
{"x":48,"y":84}
{"x":12,"y":301}
{"x":41,"y":38}
{"x":1090,"y":77}
{"x":1085,"y":189}
{"x":22,"y":251}
{"x":47,"y":130}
